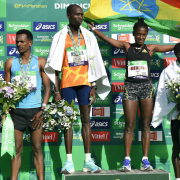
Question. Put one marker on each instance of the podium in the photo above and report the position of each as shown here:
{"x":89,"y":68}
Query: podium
{"x":156,"y":174}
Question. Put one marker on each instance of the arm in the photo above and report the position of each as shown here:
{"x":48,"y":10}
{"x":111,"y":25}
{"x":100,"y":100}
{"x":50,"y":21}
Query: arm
{"x":118,"y":44}
{"x":57,"y":95}
{"x":8,"y":64}
{"x":92,"y":93}
{"x":160,"y":48}
{"x":38,"y":119}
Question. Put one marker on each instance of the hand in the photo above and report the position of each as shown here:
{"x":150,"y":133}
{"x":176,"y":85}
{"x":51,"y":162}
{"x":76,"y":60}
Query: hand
{"x":38,"y":120}
{"x":93,"y":94}
{"x":89,"y":24}
{"x":57,"y":97}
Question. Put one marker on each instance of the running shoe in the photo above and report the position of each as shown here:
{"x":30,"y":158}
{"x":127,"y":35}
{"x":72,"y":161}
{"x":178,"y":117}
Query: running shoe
{"x":90,"y":166}
{"x":146,"y":166}
{"x":126,"y":166}
{"x":68,"y":167}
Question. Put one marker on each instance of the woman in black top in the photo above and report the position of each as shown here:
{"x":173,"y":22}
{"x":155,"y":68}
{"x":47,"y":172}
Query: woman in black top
{"x":137,"y":87}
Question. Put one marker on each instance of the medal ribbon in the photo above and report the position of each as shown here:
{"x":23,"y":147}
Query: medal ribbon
{"x":73,"y":42}
{"x":24,"y":75}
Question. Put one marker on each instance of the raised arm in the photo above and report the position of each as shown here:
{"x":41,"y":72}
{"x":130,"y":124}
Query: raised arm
{"x":8,"y":64}
{"x":160,"y":48}
{"x":118,"y":44}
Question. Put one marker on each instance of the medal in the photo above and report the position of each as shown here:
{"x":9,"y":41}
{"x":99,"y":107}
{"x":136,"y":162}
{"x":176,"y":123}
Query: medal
{"x":77,"y":59}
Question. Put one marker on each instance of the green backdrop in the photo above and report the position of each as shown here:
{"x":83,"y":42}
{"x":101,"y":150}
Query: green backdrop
{"x":44,"y":18}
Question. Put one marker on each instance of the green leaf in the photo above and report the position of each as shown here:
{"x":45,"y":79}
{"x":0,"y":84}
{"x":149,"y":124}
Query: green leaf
{"x":72,"y":103}
{"x":5,"y":107}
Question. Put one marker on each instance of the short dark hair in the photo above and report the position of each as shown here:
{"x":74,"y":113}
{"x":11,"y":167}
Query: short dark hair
{"x":177,"y":49}
{"x":140,"y":24}
{"x":70,"y":7}
{"x":27,"y":32}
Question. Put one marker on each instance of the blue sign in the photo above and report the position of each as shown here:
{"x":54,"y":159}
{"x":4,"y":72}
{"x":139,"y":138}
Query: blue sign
{"x":155,"y":74}
{"x":150,"y":29}
{"x":2,"y":73}
{"x":117,"y":51}
{"x":1,"y":26}
{"x":117,"y":99}
{"x":100,"y":124}
{"x":12,"y":51}
{"x":102,"y":27}
{"x":45,"y":26}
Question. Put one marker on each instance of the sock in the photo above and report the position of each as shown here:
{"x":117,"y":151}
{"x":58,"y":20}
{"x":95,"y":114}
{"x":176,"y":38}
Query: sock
{"x":69,"y":157}
{"x":127,"y":157}
{"x":87,"y":156}
{"x":144,"y":157}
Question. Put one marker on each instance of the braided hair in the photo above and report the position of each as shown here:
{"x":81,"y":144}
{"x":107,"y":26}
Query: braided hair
{"x":177,"y":50}
{"x":140,"y":24}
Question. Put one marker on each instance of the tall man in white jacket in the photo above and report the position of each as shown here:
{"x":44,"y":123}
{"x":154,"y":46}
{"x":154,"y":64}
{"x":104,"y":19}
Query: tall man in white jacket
{"x":164,"y":106}
{"x":75,"y":52}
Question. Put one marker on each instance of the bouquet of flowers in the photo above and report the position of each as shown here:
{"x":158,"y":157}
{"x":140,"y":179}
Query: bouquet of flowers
{"x":59,"y":115}
{"x":174,"y":91}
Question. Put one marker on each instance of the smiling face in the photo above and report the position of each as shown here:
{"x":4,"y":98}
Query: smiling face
{"x":22,"y":43}
{"x":76,"y":16}
{"x":140,"y":35}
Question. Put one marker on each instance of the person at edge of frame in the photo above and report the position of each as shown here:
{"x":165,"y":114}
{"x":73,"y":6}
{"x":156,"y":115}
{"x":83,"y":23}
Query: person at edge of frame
{"x":75,"y":52}
{"x":165,"y":106}
{"x":28,"y":112}
{"x":137,"y":87}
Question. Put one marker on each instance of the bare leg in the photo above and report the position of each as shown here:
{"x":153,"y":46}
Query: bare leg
{"x":130,"y":109}
{"x":86,"y":128}
{"x":37,"y":150}
{"x":175,"y":158}
{"x":68,"y":135}
{"x":146,"y":106}
{"x":16,"y":162}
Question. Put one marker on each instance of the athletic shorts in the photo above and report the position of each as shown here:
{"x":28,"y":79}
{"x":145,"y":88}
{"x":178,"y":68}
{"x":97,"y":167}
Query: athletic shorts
{"x":81,"y":92}
{"x":136,"y":91}
{"x":175,"y":128}
{"x":21,"y":118}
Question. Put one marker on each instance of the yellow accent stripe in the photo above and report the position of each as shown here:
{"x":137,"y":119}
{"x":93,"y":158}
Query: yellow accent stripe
{"x":151,"y":93}
{"x":126,"y":91}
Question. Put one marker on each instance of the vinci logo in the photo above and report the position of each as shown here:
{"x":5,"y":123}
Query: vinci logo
{"x":11,"y":38}
{"x":1,"y":26}
{"x":118,"y":87}
{"x":45,"y":26}
{"x":100,"y":136}
{"x":50,"y":137}
{"x":155,"y":74}
{"x":117,"y":52}
{"x":100,"y":124}
{"x":169,"y":60}
{"x":12,"y":51}
{"x":102,"y":27}
{"x":100,"y":112}
{"x":117,"y":99}
{"x":170,"y":39}
{"x":154,"y":136}
{"x":118,"y":62}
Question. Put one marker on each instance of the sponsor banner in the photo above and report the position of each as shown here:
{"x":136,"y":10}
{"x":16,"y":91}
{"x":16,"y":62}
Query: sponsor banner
{"x":62,"y":24}
{"x":119,"y":111}
{"x":155,"y":74}
{"x":100,"y":40}
{"x":118,"y":62}
{"x":33,"y":6}
{"x":153,"y":38}
{"x":1,"y":26}
{"x":11,"y":38}
{"x":41,"y":50}
{"x":117,"y":86}
{"x":12,"y":51}
{"x":117,"y":99}
{"x":17,"y":25}
{"x":168,"y":136}
{"x":169,"y":53}
{"x":118,"y":123}
{"x":77,"y":124}
{"x":1,"y":39}
{"x":170,"y":39}
{"x":123,"y":37}
{"x":155,"y":62}
{"x":65,"y":5}
{"x":77,"y":136}
{"x":2,"y":51}
{"x":117,"y":52}
{"x":100,"y":136}
{"x":43,"y":38}
{"x":99,"y":101}
{"x":154,"y":136}
{"x":169,"y":60}
{"x":50,"y":137}
{"x":0,"y":137}
{"x":2,"y":73}
{"x":104,"y":50}
{"x":118,"y":74}
{"x":100,"y":112}
{"x":167,"y":124}
{"x":44,"y":26}
{"x":122,"y":26}
{"x":102,"y":27}
{"x":119,"y":134}
{"x":100,"y":124}
{"x":2,"y":64}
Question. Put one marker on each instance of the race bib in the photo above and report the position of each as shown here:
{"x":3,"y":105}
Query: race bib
{"x":138,"y":69}
{"x":74,"y":60}
{"x":31,"y":78}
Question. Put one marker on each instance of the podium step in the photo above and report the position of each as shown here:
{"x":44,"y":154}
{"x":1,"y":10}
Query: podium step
{"x":156,"y":174}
